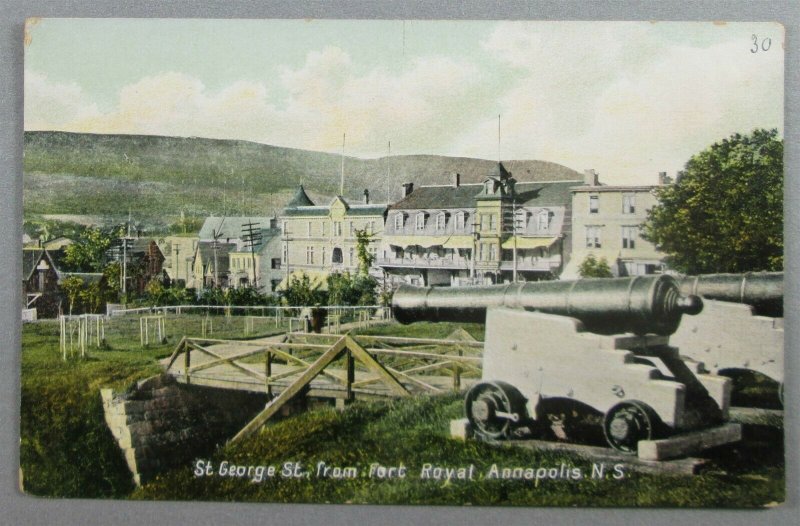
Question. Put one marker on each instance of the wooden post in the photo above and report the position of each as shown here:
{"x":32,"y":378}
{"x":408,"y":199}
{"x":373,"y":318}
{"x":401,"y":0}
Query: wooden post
{"x":351,"y":373}
{"x":187,"y":361}
{"x":268,"y":373}
{"x":457,"y":374}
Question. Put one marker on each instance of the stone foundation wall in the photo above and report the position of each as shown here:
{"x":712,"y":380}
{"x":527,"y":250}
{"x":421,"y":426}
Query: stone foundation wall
{"x":160,"y":424}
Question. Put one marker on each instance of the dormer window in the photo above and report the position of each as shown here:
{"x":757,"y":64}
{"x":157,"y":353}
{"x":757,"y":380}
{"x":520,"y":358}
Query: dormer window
{"x":543,"y":220}
{"x":421,"y":220}
{"x":399,"y":219}
{"x":441,"y":222}
{"x":460,"y":222}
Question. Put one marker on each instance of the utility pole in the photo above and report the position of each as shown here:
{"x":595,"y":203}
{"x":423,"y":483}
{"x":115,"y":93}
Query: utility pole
{"x":341,"y":180}
{"x":251,"y":235}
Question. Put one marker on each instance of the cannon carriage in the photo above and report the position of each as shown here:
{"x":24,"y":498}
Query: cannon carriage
{"x":601,"y":343}
{"x":740,"y":328}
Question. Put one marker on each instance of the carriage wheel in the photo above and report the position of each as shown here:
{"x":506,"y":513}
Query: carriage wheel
{"x":627,"y":423}
{"x":493,"y":408}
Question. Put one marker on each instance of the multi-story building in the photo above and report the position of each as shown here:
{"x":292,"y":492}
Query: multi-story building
{"x":223,"y":256}
{"x":607,"y":223}
{"x":496,"y":231}
{"x":318,"y":240}
{"x":179,"y":252}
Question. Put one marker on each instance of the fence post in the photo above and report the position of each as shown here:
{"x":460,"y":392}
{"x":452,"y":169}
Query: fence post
{"x":351,"y":374}
{"x":457,"y":373}
{"x":268,"y":373}
{"x":187,"y":361}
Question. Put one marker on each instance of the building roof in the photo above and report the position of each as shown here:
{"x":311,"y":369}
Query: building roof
{"x":206,"y":251}
{"x":321,"y":211}
{"x":545,"y":193}
{"x":607,"y":188}
{"x":300,"y":199}
{"x":229,"y":227}
{"x":30,"y":258}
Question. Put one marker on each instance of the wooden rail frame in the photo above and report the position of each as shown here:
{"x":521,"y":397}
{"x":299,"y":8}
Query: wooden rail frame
{"x":417,"y":356}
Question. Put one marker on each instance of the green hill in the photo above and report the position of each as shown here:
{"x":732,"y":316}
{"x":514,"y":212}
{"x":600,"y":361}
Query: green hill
{"x":156,"y":177}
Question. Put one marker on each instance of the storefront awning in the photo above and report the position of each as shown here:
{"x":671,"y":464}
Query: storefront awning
{"x":420,"y":241}
{"x":459,"y":242}
{"x":529,"y":242}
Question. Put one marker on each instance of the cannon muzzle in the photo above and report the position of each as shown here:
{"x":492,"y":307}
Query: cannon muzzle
{"x":640,"y":304}
{"x":761,"y":290}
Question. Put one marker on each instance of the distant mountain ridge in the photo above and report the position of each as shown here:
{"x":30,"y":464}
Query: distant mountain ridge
{"x":205,"y":176}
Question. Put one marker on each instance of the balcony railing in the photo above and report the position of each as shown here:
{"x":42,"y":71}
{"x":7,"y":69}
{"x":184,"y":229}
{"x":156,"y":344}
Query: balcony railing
{"x":541,"y":264}
{"x":424,"y":263}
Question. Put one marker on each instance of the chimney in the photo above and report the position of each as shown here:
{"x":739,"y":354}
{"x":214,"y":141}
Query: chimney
{"x":407,"y":189}
{"x":366,"y":196}
{"x":590,"y":178}
{"x":456,"y":179}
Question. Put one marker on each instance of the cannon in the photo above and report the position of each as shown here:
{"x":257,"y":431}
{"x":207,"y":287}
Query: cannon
{"x":741,"y":326}
{"x":600,"y":344}
{"x":761,"y":290}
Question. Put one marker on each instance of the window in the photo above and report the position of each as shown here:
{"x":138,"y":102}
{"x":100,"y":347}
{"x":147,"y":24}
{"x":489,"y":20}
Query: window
{"x":629,"y":203}
{"x":336,"y":256}
{"x":285,"y":253}
{"x":309,"y":255}
{"x":352,"y":229}
{"x":309,"y":229}
{"x":337,"y":228}
{"x":421,"y":221}
{"x":543,"y":220}
{"x":276,"y":263}
{"x":594,"y":204}
{"x":324,"y":225}
{"x":491,"y":222}
{"x":492,"y":252}
{"x":460,"y":222}
{"x":398,"y":221}
{"x":441,"y":221}
{"x":350,"y":257}
{"x":324,"y":260}
{"x":629,"y":235}
{"x":593,"y":237}
{"x":285,"y":228}
{"x":371,"y":227}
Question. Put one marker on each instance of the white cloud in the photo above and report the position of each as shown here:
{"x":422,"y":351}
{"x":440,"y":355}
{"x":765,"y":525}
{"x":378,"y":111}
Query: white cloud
{"x":620,"y":98}
{"x":54,"y":106}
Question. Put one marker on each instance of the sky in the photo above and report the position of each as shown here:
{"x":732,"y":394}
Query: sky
{"x":628,"y":99}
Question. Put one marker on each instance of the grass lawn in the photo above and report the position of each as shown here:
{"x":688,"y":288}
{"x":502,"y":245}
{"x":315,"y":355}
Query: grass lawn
{"x":67,"y":451}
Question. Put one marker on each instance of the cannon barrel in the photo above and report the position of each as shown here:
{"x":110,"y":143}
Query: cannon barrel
{"x":761,"y":290}
{"x":640,"y":304}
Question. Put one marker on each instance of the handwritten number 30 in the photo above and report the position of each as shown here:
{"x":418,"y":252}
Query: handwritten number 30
{"x":765,"y":44}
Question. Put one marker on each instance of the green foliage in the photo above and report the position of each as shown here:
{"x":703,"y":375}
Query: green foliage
{"x":92,"y":297}
{"x":725,"y":212}
{"x":365,"y":259}
{"x":591,"y":267}
{"x":248,"y":296}
{"x":344,"y":289}
{"x":300,"y":292}
{"x":155,"y":292}
{"x":186,"y":225}
{"x":87,"y":254}
{"x":72,"y":287}
{"x":112,"y":276}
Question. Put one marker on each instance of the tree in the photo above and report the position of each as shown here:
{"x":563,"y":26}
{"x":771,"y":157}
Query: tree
{"x":725,"y":212}
{"x":72,"y":287}
{"x":300,"y":292}
{"x":365,"y":259}
{"x":591,"y":267}
{"x":87,"y":254}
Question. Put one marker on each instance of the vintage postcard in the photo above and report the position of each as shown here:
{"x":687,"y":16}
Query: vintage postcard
{"x":487,"y":263}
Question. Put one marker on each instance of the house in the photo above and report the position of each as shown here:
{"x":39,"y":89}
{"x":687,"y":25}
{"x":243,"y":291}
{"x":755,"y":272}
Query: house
{"x":607,"y":223}
{"x":320,"y":239}
{"x":210,"y":264}
{"x":143,"y":262}
{"x":491,"y":232}
{"x":41,"y":282}
{"x":179,"y":254}
{"x":245,"y":266}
